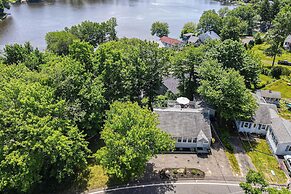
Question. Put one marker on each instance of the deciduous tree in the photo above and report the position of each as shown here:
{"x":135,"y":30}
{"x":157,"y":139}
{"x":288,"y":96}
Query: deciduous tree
{"x":160,"y":29}
{"x":210,"y":21}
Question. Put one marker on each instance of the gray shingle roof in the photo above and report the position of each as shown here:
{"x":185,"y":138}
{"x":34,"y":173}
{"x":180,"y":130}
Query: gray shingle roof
{"x":193,"y":39}
{"x":185,"y":122}
{"x":263,"y":114}
{"x":281,"y":129}
{"x":171,"y":83}
{"x":269,"y":94}
{"x":208,"y":35}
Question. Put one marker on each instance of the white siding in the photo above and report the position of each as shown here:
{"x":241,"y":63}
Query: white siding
{"x":250,"y":127}
{"x":191,"y":143}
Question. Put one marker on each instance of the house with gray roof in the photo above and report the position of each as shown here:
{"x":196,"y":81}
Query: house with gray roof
{"x":170,"y":84}
{"x":260,"y":122}
{"x":189,"y":126}
{"x":209,"y":35}
{"x":287,"y":43}
{"x":279,"y":135}
{"x":269,"y":96}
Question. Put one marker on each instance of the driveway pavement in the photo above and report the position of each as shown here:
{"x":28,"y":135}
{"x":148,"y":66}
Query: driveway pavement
{"x":216,"y":165}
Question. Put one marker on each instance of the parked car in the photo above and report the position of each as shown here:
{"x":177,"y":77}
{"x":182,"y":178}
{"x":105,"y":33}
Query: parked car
{"x":287,"y":160}
{"x":285,"y":62}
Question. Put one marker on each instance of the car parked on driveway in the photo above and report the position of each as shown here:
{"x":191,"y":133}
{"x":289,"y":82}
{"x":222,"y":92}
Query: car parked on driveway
{"x":284,"y":62}
{"x":287,"y":160}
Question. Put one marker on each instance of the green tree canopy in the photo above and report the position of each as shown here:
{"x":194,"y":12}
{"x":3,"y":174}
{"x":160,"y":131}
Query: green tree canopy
{"x":232,"y":54}
{"x":95,"y":33}
{"x":184,"y":65}
{"x":232,"y":28}
{"x":130,"y":69}
{"x":59,"y":42}
{"x":160,"y":29}
{"x":210,"y":21}
{"x":226,"y":91}
{"x":189,"y":27}
{"x":131,"y":138}
{"x":37,"y":141}
{"x":16,"y":54}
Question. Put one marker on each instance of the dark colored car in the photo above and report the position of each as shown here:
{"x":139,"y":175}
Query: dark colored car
{"x":285,"y":62}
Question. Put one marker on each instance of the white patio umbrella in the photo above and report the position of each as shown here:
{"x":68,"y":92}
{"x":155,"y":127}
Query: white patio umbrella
{"x":183,"y":100}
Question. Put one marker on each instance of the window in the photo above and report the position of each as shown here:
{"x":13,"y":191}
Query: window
{"x":263,"y":127}
{"x":255,"y":125}
{"x":259,"y":126}
{"x":246,"y":124}
{"x":189,"y":140}
{"x":242,"y":124}
{"x":199,"y":148}
{"x":184,"y":140}
{"x":179,"y":139}
{"x":250,"y":125}
{"x":194,"y":140}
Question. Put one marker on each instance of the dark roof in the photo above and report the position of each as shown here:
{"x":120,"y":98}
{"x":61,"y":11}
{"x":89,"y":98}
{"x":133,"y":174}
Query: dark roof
{"x":171,"y":83}
{"x":288,"y":39}
{"x":263,"y":114}
{"x":208,"y":35}
{"x":185,"y":122}
{"x":170,"y":41}
{"x":269,"y":94}
{"x":281,"y":129}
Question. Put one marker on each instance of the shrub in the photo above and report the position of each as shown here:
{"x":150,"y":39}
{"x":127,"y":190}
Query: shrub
{"x":258,"y":38}
{"x":277,"y":71}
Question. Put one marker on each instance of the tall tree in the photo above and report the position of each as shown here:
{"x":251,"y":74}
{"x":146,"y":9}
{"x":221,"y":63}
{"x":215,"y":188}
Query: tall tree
{"x":232,"y":28}
{"x":232,"y":54}
{"x":160,"y":29}
{"x":226,"y":91}
{"x":130,"y":69}
{"x":131,"y":138}
{"x":37,"y":141}
{"x":95,"y":33}
{"x":210,"y":21}
{"x":189,"y":27}
{"x":184,"y":66}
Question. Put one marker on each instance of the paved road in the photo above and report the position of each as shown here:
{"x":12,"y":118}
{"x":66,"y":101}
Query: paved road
{"x":189,"y":187}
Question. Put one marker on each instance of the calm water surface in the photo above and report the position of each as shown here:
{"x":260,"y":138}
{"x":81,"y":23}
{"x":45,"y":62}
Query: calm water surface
{"x":30,"y":22}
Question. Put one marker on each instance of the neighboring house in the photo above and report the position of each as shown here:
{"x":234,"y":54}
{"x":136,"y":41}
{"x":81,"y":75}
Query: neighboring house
{"x":190,"y":127}
{"x":170,"y":42}
{"x":287,"y":43}
{"x":260,"y":122}
{"x":269,"y":96}
{"x":189,"y":38}
{"x":279,"y":135}
{"x":170,"y":84}
{"x":209,"y":35}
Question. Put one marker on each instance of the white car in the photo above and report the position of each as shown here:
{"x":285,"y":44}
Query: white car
{"x":287,"y":160}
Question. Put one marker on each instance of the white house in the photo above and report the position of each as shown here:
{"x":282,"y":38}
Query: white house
{"x":287,"y":43}
{"x":189,"y":127}
{"x":269,"y":96}
{"x":279,"y":135}
{"x":260,"y":122}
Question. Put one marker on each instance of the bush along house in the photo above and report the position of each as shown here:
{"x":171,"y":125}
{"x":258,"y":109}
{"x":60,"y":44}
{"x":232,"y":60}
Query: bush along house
{"x":188,"y":123}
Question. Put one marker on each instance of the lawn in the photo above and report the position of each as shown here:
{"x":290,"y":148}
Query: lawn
{"x":258,"y":50}
{"x":97,"y":178}
{"x":284,"y":112}
{"x":264,"y":161}
{"x":280,"y":86}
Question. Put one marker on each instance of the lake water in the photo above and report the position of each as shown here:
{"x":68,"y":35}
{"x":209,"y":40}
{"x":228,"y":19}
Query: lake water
{"x":30,"y":22}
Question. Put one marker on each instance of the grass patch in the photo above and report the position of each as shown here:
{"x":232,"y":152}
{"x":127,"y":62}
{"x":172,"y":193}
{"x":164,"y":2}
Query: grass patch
{"x":264,"y":161}
{"x":97,"y":177}
{"x":258,"y":50}
{"x":264,"y":80}
{"x":280,"y":86}
{"x":283,"y":111}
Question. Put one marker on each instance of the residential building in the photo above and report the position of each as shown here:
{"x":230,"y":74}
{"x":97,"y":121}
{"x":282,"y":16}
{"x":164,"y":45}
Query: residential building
{"x":209,"y":35}
{"x":260,"y":122}
{"x":188,"y":124}
{"x":269,"y":96}
{"x":287,"y":43}
{"x":170,"y":42}
{"x":170,"y":84}
{"x":279,"y":135}
{"x":190,"y":38}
